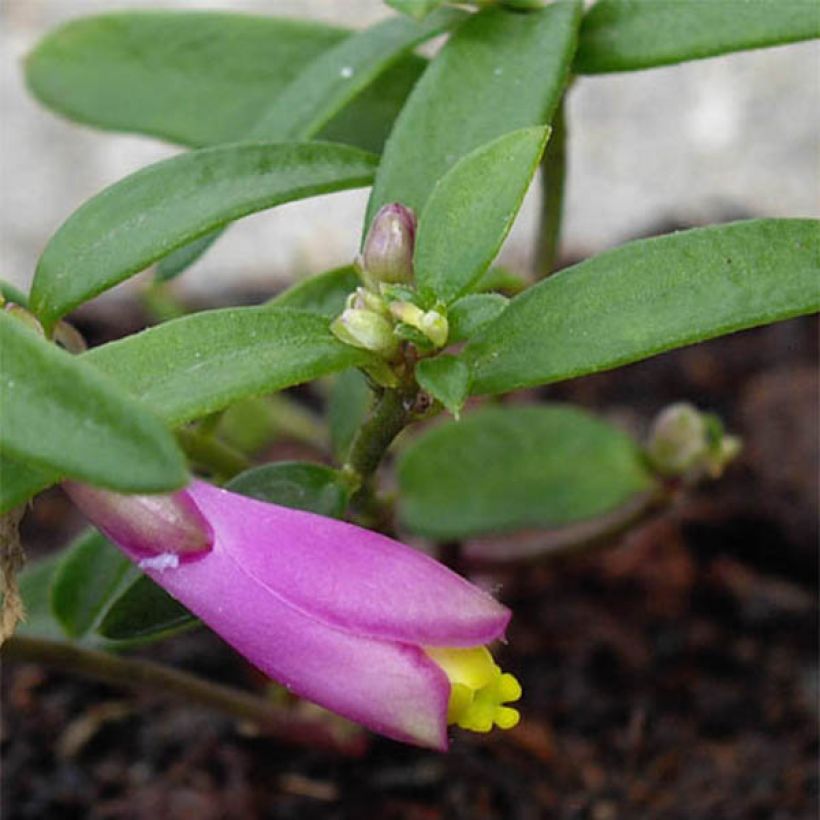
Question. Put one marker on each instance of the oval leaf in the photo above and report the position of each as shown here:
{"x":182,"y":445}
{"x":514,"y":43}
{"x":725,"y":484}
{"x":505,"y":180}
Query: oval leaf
{"x":471,"y":210}
{"x":337,"y":75}
{"x":189,"y":367}
{"x":508,"y":468}
{"x":447,"y":379}
{"x":647,"y":297}
{"x":470,"y":313}
{"x":624,"y":35}
{"x":198,"y":78}
{"x":296,"y":484}
{"x":499,"y":72}
{"x":147,"y":215}
{"x":61,"y":413}
{"x":85,"y":582}
{"x":143,"y":612}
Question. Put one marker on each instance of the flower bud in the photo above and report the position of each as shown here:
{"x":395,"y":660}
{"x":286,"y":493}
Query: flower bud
{"x":684,"y":442}
{"x":388,"y":250}
{"x":435,"y":327}
{"x":677,"y":440}
{"x":363,"y":299}
{"x":431,"y":323}
{"x":151,"y":524}
{"x":407,"y":312}
{"x":366,"y":329}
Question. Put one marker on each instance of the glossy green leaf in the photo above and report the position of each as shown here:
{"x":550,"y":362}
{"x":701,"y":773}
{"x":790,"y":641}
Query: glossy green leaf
{"x":190,"y":367}
{"x":471,"y":210}
{"x":198,"y":78}
{"x":647,"y":297}
{"x":150,"y":213}
{"x":324,"y":294}
{"x":143,"y":612}
{"x":509,"y":468}
{"x":469,"y":314}
{"x":623,"y":35}
{"x":20,"y":481}
{"x":499,"y":72}
{"x":447,"y":379}
{"x":417,"y":9}
{"x":60,"y":413}
{"x":89,"y":574}
{"x":348,"y":405}
{"x":296,"y":484}
{"x":337,"y":75}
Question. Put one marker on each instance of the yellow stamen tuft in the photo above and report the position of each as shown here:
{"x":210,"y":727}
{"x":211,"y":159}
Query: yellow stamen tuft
{"x":479,"y":689}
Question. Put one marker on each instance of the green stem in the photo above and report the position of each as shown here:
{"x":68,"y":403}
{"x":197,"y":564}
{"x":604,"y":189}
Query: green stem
{"x":553,"y":172}
{"x":141,"y":674}
{"x":391,"y":414}
{"x":209,"y":452}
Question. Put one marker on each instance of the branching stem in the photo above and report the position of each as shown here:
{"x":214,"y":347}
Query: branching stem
{"x":136,"y":673}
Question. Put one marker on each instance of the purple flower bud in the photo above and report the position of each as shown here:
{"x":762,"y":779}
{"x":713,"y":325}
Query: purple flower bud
{"x":348,"y":618}
{"x":388,"y":249}
{"x":145,"y":525}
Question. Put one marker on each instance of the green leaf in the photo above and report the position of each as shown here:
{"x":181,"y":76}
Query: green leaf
{"x":647,"y":297}
{"x":509,"y":468}
{"x":503,"y":280}
{"x":468,"y":315}
{"x":60,"y":413}
{"x":190,"y":367}
{"x":20,"y":481}
{"x":624,"y":35}
{"x":447,"y":379}
{"x":182,"y":258}
{"x":160,"y":208}
{"x":324,"y":294}
{"x":471,"y":210}
{"x":12,"y":294}
{"x":85,"y":582}
{"x":198,"y":78}
{"x":499,"y":72}
{"x":325,"y":86}
{"x":143,"y":612}
{"x":417,"y":9}
{"x":35,"y":590}
{"x":296,"y":484}
{"x":349,"y":403}
{"x":337,"y":75}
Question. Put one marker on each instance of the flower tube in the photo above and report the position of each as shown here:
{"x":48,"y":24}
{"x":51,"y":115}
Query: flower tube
{"x":342,"y":616}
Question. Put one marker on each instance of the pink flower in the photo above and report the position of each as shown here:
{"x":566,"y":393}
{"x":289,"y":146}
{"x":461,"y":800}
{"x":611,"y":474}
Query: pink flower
{"x":345,"y":617}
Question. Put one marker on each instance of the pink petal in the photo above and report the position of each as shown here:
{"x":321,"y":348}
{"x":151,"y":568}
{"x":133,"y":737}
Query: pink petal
{"x":389,"y":687}
{"x":349,"y":577}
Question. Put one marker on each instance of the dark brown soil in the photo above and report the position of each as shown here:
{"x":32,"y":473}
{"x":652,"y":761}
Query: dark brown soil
{"x":672,"y":676}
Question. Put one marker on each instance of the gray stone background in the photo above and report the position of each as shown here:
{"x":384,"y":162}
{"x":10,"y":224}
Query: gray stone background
{"x":712,"y":140}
